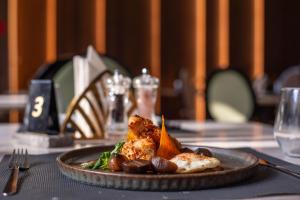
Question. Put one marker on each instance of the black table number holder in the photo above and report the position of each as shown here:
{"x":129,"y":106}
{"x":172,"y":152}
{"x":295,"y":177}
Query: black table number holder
{"x":41,"y":112}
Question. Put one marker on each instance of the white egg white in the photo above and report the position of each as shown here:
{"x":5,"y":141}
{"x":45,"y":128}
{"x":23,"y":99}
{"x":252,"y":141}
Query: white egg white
{"x":192,"y":162}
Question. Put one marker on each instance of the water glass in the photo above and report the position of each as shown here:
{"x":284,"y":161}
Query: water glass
{"x":287,"y":123}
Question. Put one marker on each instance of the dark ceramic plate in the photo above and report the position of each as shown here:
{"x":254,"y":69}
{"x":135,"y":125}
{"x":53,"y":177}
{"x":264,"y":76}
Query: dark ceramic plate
{"x":238,"y":166}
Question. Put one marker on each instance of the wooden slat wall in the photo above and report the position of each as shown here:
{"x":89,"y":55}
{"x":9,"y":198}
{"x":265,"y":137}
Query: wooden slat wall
{"x":223,"y":34}
{"x":178,"y":55}
{"x":241,"y":35}
{"x":200,"y":58}
{"x":76,"y":26}
{"x":51,"y":30}
{"x":155,"y":37}
{"x":3,"y":53}
{"x":155,"y":43}
{"x":100,"y":25}
{"x":165,"y":35}
{"x":128,"y":33}
{"x":218,"y":35}
{"x":258,"y":38}
{"x":3,"y":46}
{"x":26,"y":43}
{"x":13,"y":58}
{"x":282,"y":30}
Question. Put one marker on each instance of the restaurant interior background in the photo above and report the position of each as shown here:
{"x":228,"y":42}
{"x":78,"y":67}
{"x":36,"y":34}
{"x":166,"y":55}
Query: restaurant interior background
{"x":181,"y":41}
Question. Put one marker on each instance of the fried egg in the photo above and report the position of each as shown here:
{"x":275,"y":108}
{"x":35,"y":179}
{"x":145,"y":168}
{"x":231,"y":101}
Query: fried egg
{"x":192,"y":162}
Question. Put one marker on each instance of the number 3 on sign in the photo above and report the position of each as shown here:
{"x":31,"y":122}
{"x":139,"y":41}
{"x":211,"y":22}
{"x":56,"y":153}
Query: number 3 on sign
{"x":38,"y":106}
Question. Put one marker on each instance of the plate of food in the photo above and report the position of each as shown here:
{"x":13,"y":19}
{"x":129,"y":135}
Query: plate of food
{"x":151,"y":159}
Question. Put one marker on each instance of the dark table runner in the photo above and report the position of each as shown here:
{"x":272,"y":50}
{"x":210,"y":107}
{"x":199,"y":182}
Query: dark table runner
{"x":44,"y":181}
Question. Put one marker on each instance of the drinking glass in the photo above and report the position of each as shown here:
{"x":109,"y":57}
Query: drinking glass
{"x":287,"y":123}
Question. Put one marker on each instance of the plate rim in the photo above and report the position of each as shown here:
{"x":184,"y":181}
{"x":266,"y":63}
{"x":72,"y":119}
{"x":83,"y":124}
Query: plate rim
{"x":61,"y":163}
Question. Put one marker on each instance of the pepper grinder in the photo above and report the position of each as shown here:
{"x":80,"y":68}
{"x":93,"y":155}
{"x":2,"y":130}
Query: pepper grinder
{"x":145,"y":87}
{"x":118,"y":90}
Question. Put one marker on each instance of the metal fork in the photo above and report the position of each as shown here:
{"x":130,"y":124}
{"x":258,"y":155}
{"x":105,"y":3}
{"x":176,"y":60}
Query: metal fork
{"x":17,"y":162}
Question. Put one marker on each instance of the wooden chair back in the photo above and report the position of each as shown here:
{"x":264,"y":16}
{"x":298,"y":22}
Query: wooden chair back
{"x":87,"y":113}
{"x":230,"y":97}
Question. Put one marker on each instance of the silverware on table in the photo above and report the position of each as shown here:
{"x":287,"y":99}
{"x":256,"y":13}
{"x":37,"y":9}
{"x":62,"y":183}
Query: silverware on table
{"x":279,"y":168}
{"x":17,"y":162}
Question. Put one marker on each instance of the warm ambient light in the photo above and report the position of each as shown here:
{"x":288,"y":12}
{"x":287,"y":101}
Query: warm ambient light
{"x":51,"y":33}
{"x":223,"y":34}
{"x":13,"y":52}
{"x":258,"y":38}
{"x":155,"y":41}
{"x":100,"y":25}
{"x":13,"y":46}
{"x":200,"y":61}
{"x":155,"y":37}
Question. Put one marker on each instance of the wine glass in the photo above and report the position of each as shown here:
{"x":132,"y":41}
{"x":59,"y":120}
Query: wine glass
{"x":287,"y":123}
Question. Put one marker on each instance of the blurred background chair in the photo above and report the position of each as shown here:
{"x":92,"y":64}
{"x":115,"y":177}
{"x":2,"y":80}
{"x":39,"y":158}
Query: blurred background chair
{"x":288,"y":78}
{"x":89,"y":109}
{"x":229,"y":97}
{"x":62,"y":73}
{"x":88,"y":112}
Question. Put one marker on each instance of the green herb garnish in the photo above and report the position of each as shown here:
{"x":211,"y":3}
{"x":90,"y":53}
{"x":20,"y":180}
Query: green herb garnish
{"x":102,"y":161}
{"x":104,"y":158}
{"x":118,"y":147}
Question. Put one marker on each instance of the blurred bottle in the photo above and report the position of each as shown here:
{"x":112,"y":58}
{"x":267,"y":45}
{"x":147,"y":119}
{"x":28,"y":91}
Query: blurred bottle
{"x":118,"y":92}
{"x":146,"y":87}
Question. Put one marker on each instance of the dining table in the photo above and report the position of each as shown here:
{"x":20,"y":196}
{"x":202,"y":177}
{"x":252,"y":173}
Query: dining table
{"x":256,"y":136}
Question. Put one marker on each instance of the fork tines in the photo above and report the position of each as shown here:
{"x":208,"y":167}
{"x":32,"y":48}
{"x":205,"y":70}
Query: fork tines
{"x":18,"y":158}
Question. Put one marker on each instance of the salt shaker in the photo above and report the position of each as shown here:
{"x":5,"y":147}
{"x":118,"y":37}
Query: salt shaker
{"x":118,"y":90}
{"x":146,"y":87}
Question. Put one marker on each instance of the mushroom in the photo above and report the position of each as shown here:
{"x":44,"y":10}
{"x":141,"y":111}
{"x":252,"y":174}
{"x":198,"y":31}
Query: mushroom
{"x":204,"y":152}
{"x":115,"y":162}
{"x":186,"y":150}
{"x":136,"y":166}
{"x":162,"y":165}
